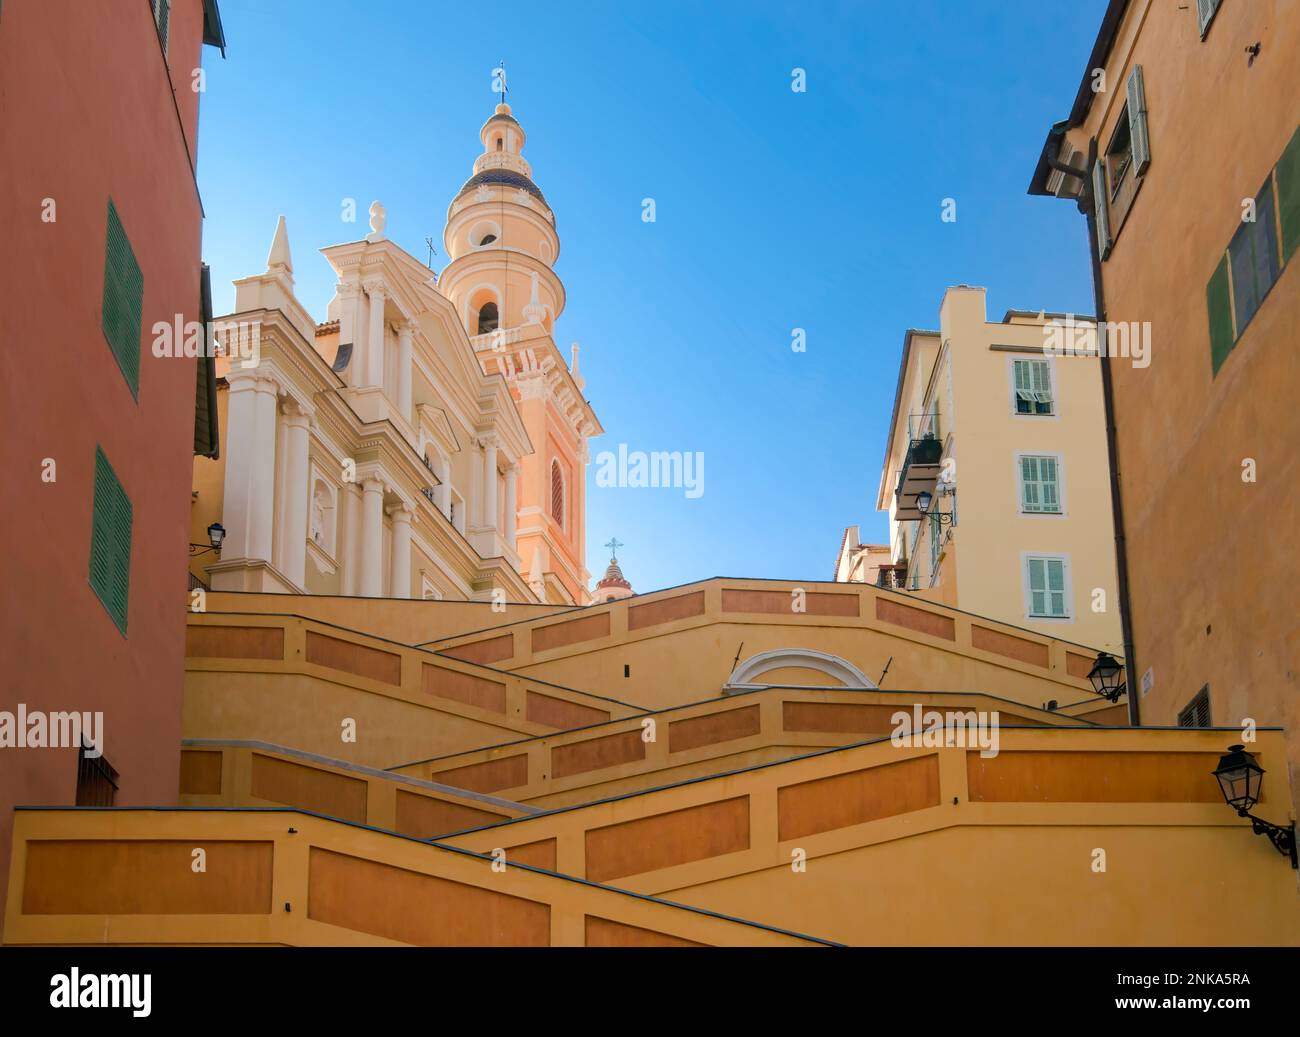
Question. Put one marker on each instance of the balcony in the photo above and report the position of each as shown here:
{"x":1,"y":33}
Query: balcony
{"x":921,"y":465}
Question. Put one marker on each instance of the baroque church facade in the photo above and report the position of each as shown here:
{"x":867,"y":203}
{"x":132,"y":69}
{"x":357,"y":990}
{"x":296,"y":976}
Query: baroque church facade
{"x":428,"y":438}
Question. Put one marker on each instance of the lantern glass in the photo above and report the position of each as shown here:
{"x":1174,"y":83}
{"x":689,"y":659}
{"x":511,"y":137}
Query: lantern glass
{"x":923,"y":500}
{"x":1105,"y":675}
{"x":216,"y":534}
{"x":1240,"y":778}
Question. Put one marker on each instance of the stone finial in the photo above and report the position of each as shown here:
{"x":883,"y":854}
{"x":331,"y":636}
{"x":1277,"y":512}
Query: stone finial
{"x":578,"y":380}
{"x":279,"y":257}
{"x":534,"y":311}
{"x":378,"y":220}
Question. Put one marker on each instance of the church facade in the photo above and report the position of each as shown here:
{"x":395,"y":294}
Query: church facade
{"x":427,"y":439}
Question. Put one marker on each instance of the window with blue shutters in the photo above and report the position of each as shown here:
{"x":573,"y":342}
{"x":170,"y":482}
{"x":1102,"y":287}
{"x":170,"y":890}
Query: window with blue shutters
{"x":1045,"y":578}
{"x":123,"y":300}
{"x":1040,"y":485}
{"x":110,"y":541}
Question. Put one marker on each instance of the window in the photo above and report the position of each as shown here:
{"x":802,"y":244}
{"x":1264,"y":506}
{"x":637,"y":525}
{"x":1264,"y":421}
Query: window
{"x":96,"y":779}
{"x":557,"y":493}
{"x":1033,"y":386}
{"x":1205,"y":11}
{"x":110,"y":542}
{"x":500,"y":143}
{"x":1045,"y":578}
{"x":1040,"y":485}
{"x":1197,"y":712}
{"x":487,"y":239}
{"x":1119,"y":156}
{"x":488,"y":318}
{"x":936,"y":542}
{"x":162,"y":16}
{"x":1117,"y":173}
{"x":1254,"y":259}
{"x":123,"y":300}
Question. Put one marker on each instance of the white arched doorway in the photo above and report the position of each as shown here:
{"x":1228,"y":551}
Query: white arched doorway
{"x":840,"y":672}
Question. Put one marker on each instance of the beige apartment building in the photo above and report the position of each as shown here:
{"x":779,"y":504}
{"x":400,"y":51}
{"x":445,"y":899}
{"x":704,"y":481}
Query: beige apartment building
{"x":997,"y":443}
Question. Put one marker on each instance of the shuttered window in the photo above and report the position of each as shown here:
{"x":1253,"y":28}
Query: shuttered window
{"x":162,"y":16}
{"x":1197,"y":712}
{"x":557,"y":494}
{"x":1253,"y":258}
{"x":110,"y":541}
{"x":1033,"y":380}
{"x":1287,"y":176}
{"x":123,"y":300}
{"x":1046,"y":583}
{"x":1256,"y":255}
{"x":1135,"y":88}
{"x":1099,"y":207}
{"x":1040,"y":487}
{"x":1205,"y":14}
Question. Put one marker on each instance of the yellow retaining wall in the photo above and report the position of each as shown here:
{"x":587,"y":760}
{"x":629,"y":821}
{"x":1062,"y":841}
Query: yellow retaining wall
{"x":86,"y":876}
{"x":917,"y":846}
{"x":298,"y":682}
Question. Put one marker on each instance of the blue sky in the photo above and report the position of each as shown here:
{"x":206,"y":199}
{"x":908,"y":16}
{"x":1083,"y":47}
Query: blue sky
{"x":775,"y":210}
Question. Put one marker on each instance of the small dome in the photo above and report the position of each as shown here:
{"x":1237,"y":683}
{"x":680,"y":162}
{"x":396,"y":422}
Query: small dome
{"x":614,"y":577}
{"x":504,"y":177}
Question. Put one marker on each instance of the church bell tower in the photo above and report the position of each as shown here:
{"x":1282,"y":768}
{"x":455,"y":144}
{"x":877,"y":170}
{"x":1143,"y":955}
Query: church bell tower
{"x":502,"y":240}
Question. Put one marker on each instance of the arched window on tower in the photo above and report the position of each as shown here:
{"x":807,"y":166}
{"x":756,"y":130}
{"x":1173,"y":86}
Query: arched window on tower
{"x":500,"y":143}
{"x":557,"y":494}
{"x":488,"y":318}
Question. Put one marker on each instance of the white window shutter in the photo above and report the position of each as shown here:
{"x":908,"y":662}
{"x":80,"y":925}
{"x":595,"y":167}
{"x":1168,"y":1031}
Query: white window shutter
{"x":1099,"y":203}
{"x":1137,"y":121}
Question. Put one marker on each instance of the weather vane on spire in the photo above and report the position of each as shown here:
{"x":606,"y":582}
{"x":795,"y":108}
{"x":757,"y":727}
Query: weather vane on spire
{"x":614,"y":544}
{"x":499,"y":80}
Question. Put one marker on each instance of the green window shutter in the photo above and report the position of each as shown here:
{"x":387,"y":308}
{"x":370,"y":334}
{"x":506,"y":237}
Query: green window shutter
{"x":110,"y":542}
{"x":1056,"y":587}
{"x":1137,"y":120}
{"x":1204,"y":12}
{"x":1218,"y":300}
{"x":1099,"y":205}
{"x":1029,"y":484}
{"x":123,"y":301}
{"x":1047,"y":477}
{"x":1037,"y":587}
{"x":1288,"y":196}
{"x":1042,"y":381}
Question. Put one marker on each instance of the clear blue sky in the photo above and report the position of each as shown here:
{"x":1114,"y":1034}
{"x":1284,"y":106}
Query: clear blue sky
{"x":775,"y":210}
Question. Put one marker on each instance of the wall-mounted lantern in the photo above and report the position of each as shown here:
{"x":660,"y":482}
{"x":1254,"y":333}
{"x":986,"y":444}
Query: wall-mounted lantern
{"x":1107,"y":677}
{"x":1240,"y":779}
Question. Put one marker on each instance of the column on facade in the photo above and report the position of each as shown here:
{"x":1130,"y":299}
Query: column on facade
{"x":349,"y":295}
{"x":259,"y":450}
{"x":372,"y":538}
{"x":512,"y":504}
{"x":404,"y":335}
{"x":351,"y":560}
{"x":375,"y":335}
{"x":296,"y":494}
{"x":400,"y":562}
{"x":490,"y":482}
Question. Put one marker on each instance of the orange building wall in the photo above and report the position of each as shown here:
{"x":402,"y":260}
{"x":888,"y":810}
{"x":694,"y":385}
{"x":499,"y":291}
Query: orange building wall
{"x":1213,"y":565}
{"x":87,"y":114}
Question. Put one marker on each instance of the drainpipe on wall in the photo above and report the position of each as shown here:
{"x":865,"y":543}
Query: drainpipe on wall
{"x":1088,"y":209}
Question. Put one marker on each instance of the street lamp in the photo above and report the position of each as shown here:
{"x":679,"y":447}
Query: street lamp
{"x":1107,"y":677}
{"x":924,"y":500}
{"x":216,"y":534}
{"x":1240,"y":778}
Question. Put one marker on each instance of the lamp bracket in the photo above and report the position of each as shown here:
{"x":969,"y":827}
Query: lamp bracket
{"x":1283,"y":839}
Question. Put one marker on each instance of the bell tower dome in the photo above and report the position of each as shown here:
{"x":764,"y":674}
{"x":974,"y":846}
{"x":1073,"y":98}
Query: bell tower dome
{"x":501,"y":238}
